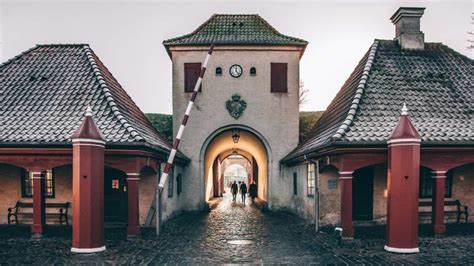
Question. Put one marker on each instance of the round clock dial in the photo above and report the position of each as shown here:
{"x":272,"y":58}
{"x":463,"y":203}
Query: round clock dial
{"x":235,"y":71}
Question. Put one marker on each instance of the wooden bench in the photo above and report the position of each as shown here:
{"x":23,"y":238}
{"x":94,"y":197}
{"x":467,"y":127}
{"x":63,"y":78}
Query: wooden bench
{"x":451,"y":208}
{"x":25,"y":210}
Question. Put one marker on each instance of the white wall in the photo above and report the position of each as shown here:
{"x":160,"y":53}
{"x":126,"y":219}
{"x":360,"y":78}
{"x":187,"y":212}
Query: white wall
{"x":274,"y":115}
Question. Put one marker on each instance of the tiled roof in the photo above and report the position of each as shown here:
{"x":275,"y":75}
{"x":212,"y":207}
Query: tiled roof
{"x":436,"y":84}
{"x":46,"y":90}
{"x":235,"y":30}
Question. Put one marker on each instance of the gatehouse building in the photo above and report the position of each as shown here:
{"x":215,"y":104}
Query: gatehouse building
{"x":251,"y":90}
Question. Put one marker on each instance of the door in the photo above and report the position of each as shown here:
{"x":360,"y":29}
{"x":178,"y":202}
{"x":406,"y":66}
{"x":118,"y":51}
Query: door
{"x":363,"y":194}
{"x":115,"y":197}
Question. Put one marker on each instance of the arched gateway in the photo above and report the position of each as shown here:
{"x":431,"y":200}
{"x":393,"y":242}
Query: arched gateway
{"x":230,"y":142}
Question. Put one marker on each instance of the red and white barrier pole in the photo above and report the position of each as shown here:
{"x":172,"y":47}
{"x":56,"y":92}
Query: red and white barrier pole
{"x":174,"y":149}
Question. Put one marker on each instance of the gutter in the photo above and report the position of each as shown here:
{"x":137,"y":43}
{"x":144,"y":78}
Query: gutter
{"x":321,"y":150}
{"x":109,"y":145}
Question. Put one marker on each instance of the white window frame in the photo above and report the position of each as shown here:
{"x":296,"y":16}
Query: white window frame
{"x":310,"y":180}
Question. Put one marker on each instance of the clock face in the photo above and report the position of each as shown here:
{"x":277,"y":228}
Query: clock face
{"x":235,"y":71}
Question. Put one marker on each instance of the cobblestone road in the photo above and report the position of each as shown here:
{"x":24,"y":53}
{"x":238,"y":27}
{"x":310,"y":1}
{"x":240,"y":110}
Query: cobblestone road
{"x":198,"y":237}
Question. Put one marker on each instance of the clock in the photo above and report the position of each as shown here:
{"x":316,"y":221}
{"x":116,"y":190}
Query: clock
{"x":235,"y":71}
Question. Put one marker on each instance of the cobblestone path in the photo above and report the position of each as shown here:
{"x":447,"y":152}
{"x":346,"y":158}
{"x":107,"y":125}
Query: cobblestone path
{"x":206,"y":238}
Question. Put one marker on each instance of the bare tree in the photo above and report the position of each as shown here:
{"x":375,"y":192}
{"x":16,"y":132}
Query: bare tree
{"x":303,"y":97}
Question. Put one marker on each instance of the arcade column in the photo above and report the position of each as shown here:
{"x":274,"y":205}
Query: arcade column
{"x":345,"y":179}
{"x":88,"y":188}
{"x":437,"y":220}
{"x":133,"y":227}
{"x":39,"y":202}
{"x":402,"y":187}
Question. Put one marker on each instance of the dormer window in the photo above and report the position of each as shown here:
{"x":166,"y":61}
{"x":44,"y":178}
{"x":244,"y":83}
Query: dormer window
{"x":253,"y":71}
{"x":218,"y":71}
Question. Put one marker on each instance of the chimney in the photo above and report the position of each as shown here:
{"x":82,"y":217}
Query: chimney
{"x":407,"y":27}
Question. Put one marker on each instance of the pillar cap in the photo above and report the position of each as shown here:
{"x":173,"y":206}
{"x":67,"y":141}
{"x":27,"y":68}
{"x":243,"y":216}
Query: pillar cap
{"x":404,"y":128}
{"x":88,"y":129}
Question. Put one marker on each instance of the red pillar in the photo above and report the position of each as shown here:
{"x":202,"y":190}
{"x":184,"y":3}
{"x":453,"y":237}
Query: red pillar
{"x":88,"y":188}
{"x":437,"y":220}
{"x":345,"y":179}
{"x":39,"y":211}
{"x":402,"y":187}
{"x":133,"y":227}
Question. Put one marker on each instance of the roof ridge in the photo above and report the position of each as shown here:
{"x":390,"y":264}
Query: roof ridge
{"x":16,"y":57}
{"x":455,"y":52}
{"x":358,"y":95}
{"x":38,"y":46}
{"x":194,"y":31}
{"x":108,"y":96}
{"x":270,"y":27}
{"x":259,"y":18}
{"x":62,"y":44}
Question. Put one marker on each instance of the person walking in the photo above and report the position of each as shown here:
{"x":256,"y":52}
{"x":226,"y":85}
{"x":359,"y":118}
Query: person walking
{"x":253,"y":191}
{"x":243,"y":191}
{"x":234,"y":189}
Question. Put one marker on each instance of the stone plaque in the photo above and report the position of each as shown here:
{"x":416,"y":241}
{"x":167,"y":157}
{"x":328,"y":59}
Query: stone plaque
{"x":332,"y":184}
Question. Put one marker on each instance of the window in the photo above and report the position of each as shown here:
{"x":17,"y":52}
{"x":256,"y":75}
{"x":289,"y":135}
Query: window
{"x":170,"y":184}
{"x":27,"y":184}
{"x":426,"y":184}
{"x":279,"y":77}
{"x":218,"y":71}
{"x":191,"y":75}
{"x":179,"y":183}
{"x":311,"y":178}
{"x":253,"y":71}
{"x":295,"y":183}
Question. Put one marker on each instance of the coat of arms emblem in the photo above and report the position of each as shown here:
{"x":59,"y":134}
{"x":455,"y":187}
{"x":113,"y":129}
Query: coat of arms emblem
{"x":236,"y":106}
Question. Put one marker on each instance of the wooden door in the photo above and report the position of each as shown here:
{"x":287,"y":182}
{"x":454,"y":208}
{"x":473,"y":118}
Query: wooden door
{"x":363,"y":194}
{"x":115,"y":197}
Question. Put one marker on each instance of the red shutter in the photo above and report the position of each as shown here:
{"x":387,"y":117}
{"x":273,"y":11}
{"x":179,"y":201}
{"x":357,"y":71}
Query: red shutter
{"x":279,"y":77}
{"x":191,"y":75}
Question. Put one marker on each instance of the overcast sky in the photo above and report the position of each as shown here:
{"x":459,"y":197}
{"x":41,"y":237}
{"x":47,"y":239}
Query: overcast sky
{"x":128,"y":35}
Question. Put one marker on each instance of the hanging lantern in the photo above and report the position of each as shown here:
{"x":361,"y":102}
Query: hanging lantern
{"x":235,"y":136}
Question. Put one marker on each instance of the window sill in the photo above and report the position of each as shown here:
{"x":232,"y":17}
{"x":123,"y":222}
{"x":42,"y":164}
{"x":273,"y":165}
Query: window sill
{"x":30,"y":197}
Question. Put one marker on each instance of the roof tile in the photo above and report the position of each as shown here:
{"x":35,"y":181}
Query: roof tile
{"x":235,"y":29}
{"x":51,"y":109}
{"x":436,"y":84}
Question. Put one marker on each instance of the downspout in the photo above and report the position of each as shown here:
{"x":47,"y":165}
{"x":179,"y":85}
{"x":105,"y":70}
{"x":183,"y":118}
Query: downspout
{"x":316,"y":198}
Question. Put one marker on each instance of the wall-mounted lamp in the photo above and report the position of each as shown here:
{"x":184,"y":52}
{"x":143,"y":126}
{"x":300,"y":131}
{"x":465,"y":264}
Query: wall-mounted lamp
{"x":235,"y":136}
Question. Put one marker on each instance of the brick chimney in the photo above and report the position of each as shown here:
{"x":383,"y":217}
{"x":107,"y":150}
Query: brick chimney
{"x":407,"y":28}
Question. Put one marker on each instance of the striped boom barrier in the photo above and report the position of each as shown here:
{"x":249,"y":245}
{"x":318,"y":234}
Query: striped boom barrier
{"x":174,"y":149}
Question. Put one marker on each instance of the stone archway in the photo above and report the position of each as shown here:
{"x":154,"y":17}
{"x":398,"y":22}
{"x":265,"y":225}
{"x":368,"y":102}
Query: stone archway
{"x":220,"y":144}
